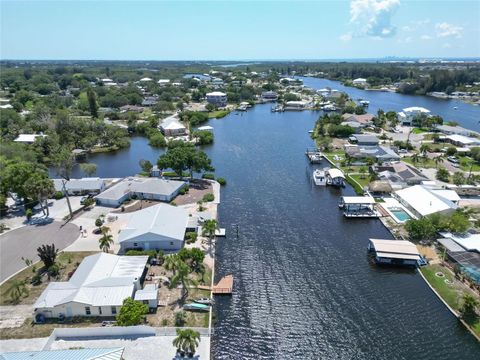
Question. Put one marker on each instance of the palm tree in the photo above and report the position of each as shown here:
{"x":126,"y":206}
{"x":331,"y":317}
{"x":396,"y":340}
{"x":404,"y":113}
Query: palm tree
{"x":106,"y":240}
{"x":182,"y":277}
{"x":209,"y":228}
{"x":187,"y":340}
{"x":415,"y":158}
{"x":424,"y":148}
{"x":17,"y":290}
{"x":469,"y":306}
{"x":171,"y":262}
{"x":438,"y":160}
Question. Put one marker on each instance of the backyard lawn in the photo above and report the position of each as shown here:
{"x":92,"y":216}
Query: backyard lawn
{"x":450,"y":289}
{"x":466,"y":163}
{"x":421,"y":163}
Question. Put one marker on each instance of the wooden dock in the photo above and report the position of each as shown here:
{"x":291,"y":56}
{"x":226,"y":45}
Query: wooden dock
{"x":224,"y":286}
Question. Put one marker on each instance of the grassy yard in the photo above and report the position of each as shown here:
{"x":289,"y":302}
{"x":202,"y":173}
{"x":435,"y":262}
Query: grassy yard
{"x":68,"y":262}
{"x":466,"y":162}
{"x":451,"y":291}
{"x":363,"y":180}
{"x":419,"y":130}
{"x":218,"y":114}
{"x":421,"y":163}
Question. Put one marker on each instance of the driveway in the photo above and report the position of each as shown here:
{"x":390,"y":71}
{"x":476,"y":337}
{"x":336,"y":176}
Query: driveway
{"x":24,"y":241}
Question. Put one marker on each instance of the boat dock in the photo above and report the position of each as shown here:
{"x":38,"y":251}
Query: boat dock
{"x":224,"y":286}
{"x":314,"y":155}
{"x":359,"y":207}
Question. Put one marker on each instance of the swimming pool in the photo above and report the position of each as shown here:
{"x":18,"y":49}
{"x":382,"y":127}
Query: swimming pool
{"x":400,"y":215}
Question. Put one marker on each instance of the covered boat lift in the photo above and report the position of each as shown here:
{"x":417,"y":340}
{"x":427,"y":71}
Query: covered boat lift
{"x":335,"y":177}
{"x":359,"y":207}
{"x":395,"y":252}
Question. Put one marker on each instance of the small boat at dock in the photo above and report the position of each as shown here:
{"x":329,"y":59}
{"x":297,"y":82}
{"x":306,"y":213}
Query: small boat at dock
{"x":205,"y":301}
{"x":364,"y":103}
{"x":277,"y":108}
{"x":319,"y":177}
{"x":196,"y":307}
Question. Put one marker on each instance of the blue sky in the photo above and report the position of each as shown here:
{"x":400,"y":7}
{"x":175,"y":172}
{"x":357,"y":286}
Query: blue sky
{"x":216,"y":30}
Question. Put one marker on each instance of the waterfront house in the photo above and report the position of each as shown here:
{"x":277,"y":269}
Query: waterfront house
{"x":28,"y":138}
{"x":97,"y":288}
{"x":146,"y":79}
{"x":217,"y":98}
{"x":422,"y":201}
{"x":216,"y":82}
{"x":461,"y":141}
{"x":149,"y":101}
{"x":399,"y":175}
{"x":456,"y":130}
{"x":69,"y":354}
{"x":408,"y":116}
{"x":140,"y":188}
{"x":91,"y":185}
{"x":394,"y":252}
{"x":378,"y":153}
{"x":159,"y":227}
{"x":269,"y":96}
{"x":355,"y":125}
{"x":171,"y":126}
{"x":364,"y":119}
{"x":364,"y":139}
{"x":360,"y":82}
{"x":132,"y":108}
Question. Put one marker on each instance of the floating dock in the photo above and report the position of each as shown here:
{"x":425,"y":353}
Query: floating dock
{"x":314,"y":155}
{"x":224,"y":286}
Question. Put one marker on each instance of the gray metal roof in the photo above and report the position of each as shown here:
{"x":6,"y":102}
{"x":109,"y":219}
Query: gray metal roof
{"x":162,"y":219}
{"x":80,"y":184}
{"x":100,"y":280}
{"x":74,"y":354}
{"x":141,"y":185}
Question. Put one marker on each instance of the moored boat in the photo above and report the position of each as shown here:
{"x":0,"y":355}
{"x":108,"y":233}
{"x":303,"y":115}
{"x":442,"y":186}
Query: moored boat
{"x":205,"y":301}
{"x":319,"y":177}
{"x":196,"y":307}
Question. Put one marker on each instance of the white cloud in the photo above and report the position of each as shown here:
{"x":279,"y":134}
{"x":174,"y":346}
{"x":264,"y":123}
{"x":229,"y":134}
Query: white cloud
{"x":448,"y":30}
{"x":346,"y":37}
{"x":447,"y":45}
{"x":373,"y":17}
{"x":425,"y":37}
{"x":407,"y":28}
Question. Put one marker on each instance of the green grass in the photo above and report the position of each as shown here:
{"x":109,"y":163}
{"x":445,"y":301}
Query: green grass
{"x":466,"y":162}
{"x":419,"y":130}
{"x":451,"y":293}
{"x":218,"y":114}
{"x":363,"y":180}
{"x":358,"y":189}
{"x":422,"y":162}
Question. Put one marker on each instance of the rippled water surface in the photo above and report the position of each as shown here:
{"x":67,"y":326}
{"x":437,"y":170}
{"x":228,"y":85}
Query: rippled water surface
{"x":303,"y":285}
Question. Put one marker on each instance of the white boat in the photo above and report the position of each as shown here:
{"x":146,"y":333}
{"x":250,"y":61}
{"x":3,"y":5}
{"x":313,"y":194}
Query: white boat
{"x":329,"y":107}
{"x":455,"y":108}
{"x":319,"y":177}
{"x":364,"y":103}
{"x":205,"y":301}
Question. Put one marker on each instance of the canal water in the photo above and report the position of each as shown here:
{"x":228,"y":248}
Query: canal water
{"x":304,"y":288}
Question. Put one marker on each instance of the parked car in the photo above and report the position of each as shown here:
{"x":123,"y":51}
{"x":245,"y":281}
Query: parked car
{"x":453,"y":159}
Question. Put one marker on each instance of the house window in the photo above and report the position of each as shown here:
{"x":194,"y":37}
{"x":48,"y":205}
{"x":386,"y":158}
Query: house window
{"x":135,"y":244}
{"x":100,"y":310}
{"x":87,"y":310}
{"x":114,"y":310}
{"x":171,"y":243}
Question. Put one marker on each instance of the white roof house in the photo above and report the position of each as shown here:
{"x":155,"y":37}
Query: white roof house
{"x":469,"y":242}
{"x":70,"y":354}
{"x":163,"y":81}
{"x":146,"y":79}
{"x":28,"y":138}
{"x":205,"y":128}
{"x":143,"y":188}
{"x":461,"y":140}
{"x":360,"y":81}
{"x":171,"y":126}
{"x":422,"y":201}
{"x":80,"y":186}
{"x":159,"y":227}
{"x":101,"y":280}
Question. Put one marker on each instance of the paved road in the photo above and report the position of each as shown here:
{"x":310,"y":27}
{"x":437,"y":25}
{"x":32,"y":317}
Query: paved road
{"x":25,"y":241}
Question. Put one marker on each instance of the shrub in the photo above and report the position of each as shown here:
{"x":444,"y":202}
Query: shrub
{"x":29,"y":214}
{"x":157,"y":140}
{"x":36,"y":280}
{"x":88,"y":202}
{"x":190,"y":237}
{"x":58,"y":195}
{"x":98,"y":222}
{"x":53,"y":270}
{"x":150,"y":253}
{"x":222,"y":181}
{"x":180,"y":318}
{"x":169,"y":174}
{"x":208,"y":176}
{"x":208,"y":197}
{"x":184,"y":190}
